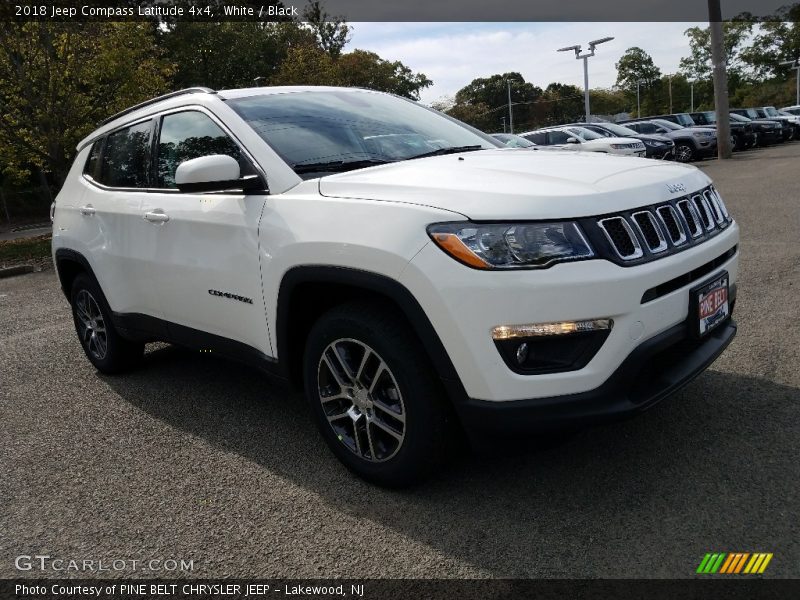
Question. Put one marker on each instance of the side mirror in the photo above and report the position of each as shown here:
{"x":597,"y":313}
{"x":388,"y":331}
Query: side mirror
{"x":573,"y":140}
{"x":214,"y":173}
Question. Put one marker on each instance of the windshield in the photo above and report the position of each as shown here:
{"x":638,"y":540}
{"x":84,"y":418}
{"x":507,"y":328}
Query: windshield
{"x":513,"y":141}
{"x":772,"y":111}
{"x":710,"y":116}
{"x":738,"y":117}
{"x":751,"y":112}
{"x":667,"y":124}
{"x":584,"y":134}
{"x":340,"y":130}
{"x":619,"y":130}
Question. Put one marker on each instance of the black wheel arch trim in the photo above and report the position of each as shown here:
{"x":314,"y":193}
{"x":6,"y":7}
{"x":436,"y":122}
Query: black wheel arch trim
{"x":375,"y":283}
{"x":66,"y":254}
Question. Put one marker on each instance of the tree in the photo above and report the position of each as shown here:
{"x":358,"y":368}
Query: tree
{"x":58,"y":80}
{"x":636,"y":65}
{"x":697,"y":65}
{"x":310,"y":65}
{"x":230,"y":55}
{"x":331,"y":33}
{"x":778,"y":40}
{"x":492,"y":93}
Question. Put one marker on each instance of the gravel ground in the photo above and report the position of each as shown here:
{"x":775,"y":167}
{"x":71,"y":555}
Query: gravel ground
{"x":194,"y":458}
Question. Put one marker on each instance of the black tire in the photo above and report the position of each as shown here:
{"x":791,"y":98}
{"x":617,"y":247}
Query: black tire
{"x":684,"y":152}
{"x":106,"y":350}
{"x":427,"y":424}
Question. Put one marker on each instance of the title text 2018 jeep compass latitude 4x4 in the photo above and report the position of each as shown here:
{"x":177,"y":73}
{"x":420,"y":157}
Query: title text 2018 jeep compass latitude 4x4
{"x":413,"y":276}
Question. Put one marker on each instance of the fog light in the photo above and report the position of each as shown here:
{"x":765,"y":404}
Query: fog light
{"x":551,"y":347}
{"x":522,"y":352}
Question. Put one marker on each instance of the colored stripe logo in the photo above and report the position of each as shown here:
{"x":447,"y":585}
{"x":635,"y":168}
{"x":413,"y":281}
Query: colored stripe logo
{"x":729,"y":563}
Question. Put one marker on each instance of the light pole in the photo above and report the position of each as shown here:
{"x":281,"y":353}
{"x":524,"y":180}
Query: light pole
{"x":670,"y":93}
{"x":795,"y":66}
{"x":257,"y":80}
{"x":510,"y":109}
{"x":639,"y":82}
{"x":585,"y":57}
{"x":504,"y":124}
{"x":691,"y":95}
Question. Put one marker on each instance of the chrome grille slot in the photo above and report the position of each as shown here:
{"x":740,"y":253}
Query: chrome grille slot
{"x":691,"y":217}
{"x":651,"y":232}
{"x":715,"y":209}
{"x":704,"y":211}
{"x":672,"y":224}
{"x":720,"y":202}
{"x":622,"y":237}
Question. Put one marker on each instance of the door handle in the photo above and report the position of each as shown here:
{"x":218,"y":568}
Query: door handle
{"x":156,"y":216}
{"x":87,"y":210}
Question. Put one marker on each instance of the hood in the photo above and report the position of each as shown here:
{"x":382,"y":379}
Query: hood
{"x":612,"y":140}
{"x":500,"y":185}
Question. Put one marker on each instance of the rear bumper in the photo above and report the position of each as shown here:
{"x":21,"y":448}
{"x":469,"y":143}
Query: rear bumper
{"x":654,"y":370}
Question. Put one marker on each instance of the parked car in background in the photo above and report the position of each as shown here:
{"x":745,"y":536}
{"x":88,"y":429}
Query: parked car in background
{"x":793,"y":110}
{"x":691,"y":143}
{"x":765,"y":132}
{"x":683,"y":119}
{"x":752,"y":114}
{"x":656,"y":146}
{"x":574,"y":137}
{"x":513,"y":141}
{"x":743,"y":134}
{"x":791,"y":123}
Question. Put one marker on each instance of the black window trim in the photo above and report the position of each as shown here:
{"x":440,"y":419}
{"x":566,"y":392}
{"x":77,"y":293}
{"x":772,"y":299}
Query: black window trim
{"x":155,"y":119}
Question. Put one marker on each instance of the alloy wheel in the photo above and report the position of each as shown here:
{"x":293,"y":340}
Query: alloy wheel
{"x":361,"y":400}
{"x":683,"y":153}
{"x":91,"y":325}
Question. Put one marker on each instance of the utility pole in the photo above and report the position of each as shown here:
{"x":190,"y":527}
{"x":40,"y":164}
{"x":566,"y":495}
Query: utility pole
{"x":720,"y":80}
{"x":670,"y":93}
{"x":585,"y":57}
{"x":510,"y":109}
{"x":504,"y":124}
{"x":691,"y":95}
{"x":639,"y":82}
{"x":795,"y":66}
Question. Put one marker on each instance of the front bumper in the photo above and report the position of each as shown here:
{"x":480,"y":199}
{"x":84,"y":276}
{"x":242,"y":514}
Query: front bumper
{"x":654,"y":370}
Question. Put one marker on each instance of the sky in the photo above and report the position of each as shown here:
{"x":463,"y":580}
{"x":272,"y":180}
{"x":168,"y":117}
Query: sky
{"x":453,"y":54}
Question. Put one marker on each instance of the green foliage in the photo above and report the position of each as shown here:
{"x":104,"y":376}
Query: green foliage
{"x":16,"y":251}
{"x":331,"y":33}
{"x":698,"y":64}
{"x":636,"y":65}
{"x":57,"y":80}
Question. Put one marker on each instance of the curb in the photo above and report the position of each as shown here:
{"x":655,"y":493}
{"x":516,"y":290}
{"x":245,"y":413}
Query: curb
{"x":18,"y":270}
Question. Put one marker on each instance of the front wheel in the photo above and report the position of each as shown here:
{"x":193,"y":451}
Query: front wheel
{"x":684,"y":153}
{"x":104,"y":347}
{"x":374,"y":395}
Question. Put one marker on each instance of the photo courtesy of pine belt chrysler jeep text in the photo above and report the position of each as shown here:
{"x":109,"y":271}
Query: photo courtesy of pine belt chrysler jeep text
{"x":415,"y":277}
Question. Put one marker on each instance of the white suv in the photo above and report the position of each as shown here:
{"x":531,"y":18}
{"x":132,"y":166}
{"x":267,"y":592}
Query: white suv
{"x":573,"y":137}
{"x":413,"y":277}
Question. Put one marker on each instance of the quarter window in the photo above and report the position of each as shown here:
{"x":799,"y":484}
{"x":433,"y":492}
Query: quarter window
{"x":188,"y":135}
{"x":126,"y":157}
{"x":91,"y":163}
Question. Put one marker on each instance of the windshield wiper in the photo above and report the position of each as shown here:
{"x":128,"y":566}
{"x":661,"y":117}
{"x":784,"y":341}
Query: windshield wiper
{"x":450,"y":150}
{"x":338,"y":166}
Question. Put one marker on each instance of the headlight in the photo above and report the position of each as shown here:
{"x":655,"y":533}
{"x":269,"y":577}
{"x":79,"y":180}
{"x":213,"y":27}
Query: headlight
{"x":703,"y":134}
{"x":621,"y":146}
{"x":511,"y":245}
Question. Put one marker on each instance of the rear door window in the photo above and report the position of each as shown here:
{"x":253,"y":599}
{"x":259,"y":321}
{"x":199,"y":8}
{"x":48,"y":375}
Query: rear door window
{"x":126,"y":157}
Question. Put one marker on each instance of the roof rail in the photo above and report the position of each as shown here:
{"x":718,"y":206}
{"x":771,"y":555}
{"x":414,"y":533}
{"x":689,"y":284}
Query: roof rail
{"x":191,"y":90}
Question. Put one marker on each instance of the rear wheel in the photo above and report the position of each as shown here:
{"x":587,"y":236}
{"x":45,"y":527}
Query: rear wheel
{"x":374,"y":395}
{"x":684,"y":152}
{"x":104,"y":347}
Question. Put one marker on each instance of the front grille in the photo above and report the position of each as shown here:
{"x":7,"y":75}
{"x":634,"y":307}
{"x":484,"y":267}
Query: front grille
{"x":629,"y":238}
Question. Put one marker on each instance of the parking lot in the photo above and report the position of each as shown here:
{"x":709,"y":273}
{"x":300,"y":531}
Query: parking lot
{"x":194,"y":458}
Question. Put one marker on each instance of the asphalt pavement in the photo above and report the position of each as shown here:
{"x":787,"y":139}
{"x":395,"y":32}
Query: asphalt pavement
{"x":194,"y":458}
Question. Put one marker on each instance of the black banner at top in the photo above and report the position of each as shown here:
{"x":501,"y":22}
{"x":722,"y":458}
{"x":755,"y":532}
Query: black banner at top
{"x":405,"y":11}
